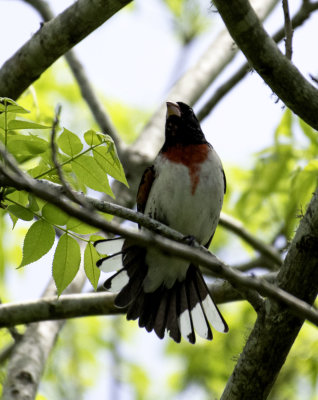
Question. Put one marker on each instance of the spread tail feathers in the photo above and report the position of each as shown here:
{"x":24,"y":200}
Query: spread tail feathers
{"x":181,"y":310}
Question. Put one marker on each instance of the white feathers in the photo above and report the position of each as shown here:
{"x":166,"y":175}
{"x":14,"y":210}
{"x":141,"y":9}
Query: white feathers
{"x":109,"y":246}
{"x":118,"y":281}
{"x":199,"y":321}
{"x":111,"y":263}
{"x":185,"y":324}
{"x":213,"y":315}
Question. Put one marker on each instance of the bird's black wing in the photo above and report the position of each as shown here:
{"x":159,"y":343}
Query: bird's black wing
{"x":145,"y":187}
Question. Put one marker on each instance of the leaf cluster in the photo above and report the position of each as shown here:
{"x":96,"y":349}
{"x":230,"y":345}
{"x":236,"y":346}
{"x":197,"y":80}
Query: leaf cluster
{"x":275,"y":190}
{"x":86,"y":164}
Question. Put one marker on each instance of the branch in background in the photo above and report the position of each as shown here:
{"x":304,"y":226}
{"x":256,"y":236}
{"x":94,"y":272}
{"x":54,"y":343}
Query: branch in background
{"x":198,"y":255}
{"x":52,"y":40}
{"x":238,"y":228}
{"x":298,"y":19}
{"x":88,"y":93}
{"x":288,"y":31}
{"x":89,"y":304}
{"x":259,"y":262}
{"x":277,"y":71}
{"x":28,"y":358}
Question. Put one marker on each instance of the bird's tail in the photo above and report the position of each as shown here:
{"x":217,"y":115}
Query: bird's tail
{"x":182,"y":310}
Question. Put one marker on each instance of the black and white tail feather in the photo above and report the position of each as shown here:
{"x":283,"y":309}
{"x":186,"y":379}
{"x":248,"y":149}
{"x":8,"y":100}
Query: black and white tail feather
{"x":181,"y":310}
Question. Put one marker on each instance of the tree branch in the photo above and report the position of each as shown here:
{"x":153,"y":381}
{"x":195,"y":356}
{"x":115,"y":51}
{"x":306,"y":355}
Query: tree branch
{"x":276,"y":328}
{"x":238,"y":228}
{"x":30,"y":354}
{"x":89,"y":304}
{"x":265,"y":57}
{"x":297,"y":20}
{"x":199,"y":255}
{"x":268,"y":251}
{"x":85,"y":304}
{"x":288,"y":31}
{"x":53,"y":40}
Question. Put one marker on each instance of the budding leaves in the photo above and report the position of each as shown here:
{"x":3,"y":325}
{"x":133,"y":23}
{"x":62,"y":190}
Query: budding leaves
{"x":37,"y":242}
{"x":66,"y":262}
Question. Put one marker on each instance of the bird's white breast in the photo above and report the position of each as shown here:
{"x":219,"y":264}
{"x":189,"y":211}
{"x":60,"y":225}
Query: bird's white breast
{"x":190,"y":206}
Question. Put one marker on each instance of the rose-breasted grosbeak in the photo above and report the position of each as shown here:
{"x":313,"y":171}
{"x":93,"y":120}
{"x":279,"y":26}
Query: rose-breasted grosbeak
{"x":183,"y":189}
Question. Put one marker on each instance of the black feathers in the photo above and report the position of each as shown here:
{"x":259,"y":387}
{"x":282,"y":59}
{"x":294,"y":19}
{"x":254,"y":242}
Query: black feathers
{"x":182,"y":310}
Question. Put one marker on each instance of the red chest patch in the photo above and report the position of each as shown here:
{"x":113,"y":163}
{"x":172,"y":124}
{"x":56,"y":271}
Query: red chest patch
{"x":191,"y":156}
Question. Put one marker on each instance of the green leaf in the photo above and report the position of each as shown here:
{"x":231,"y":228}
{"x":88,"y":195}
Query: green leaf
{"x":13,"y":108}
{"x":33,"y":205}
{"x":285,"y":126}
{"x":14,"y":220}
{"x":91,"y":174}
{"x":37,"y":242}
{"x":69,"y":143}
{"x":21,"y":212}
{"x":22,"y":124}
{"x":90,"y":258}
{"x":309,"y":132}
{"x":93,"y":138}
{"x":108,"y":160}
{"x":54,"y":215}
{"x":26,"y":145}
{"x":77,"y":226}
{"x":66,"y":262}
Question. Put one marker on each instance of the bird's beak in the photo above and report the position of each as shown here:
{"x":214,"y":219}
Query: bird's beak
{"x":173,"y":109}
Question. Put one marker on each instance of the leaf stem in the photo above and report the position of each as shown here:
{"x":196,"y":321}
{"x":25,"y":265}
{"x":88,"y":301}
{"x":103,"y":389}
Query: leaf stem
{"x":69,"y":160}
{"x":65,"y":230}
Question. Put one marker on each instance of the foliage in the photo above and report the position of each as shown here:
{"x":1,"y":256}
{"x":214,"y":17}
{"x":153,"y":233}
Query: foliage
{"x":78,"y":157}
{"x":189,"y":18}
{"x":272,"y":194}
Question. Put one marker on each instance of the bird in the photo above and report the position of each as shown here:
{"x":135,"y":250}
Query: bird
{"x":184,"y":189}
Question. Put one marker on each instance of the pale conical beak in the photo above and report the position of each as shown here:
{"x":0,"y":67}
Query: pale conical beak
{"x":173,"y":109}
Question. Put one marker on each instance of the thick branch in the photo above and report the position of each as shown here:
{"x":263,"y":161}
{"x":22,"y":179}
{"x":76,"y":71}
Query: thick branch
{"x":276,"y":329}
{"x":53,"y":40}
{"x":88,"y":304}
{"x":265,"y":57}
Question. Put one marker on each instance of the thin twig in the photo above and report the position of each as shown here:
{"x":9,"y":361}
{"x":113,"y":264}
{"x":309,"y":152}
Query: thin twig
{"x":70,"y":193}
{"x":288,"y":30}
{"x":238,"y":228}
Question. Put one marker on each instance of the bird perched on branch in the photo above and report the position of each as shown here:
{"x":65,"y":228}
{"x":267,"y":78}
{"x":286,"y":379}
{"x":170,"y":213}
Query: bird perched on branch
{"x":183,"y":189}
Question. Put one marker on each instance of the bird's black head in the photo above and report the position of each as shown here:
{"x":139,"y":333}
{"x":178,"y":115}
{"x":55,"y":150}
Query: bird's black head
{"x":182,"y":126}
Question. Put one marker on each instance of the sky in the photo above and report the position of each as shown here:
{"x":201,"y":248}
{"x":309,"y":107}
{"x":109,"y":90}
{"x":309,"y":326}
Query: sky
{"x":132,"y":58}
